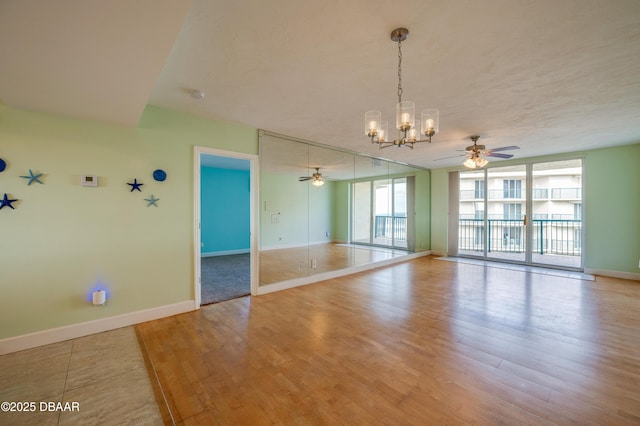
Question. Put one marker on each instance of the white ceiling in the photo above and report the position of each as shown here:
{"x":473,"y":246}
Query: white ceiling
{"x":550,"y":76}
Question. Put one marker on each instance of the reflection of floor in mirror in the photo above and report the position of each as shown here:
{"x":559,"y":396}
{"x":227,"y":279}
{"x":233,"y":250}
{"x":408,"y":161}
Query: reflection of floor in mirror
{"x":285,"y":264}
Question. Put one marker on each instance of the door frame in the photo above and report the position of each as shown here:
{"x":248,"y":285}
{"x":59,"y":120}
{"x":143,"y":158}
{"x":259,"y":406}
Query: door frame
{"x":253,"y":226}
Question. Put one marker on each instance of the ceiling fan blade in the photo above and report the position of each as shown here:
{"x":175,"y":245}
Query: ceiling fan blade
{"x":453,"y":156}
{"x":504,"y":148}
{"x":491,"y":154}
{"x":303,"y":178}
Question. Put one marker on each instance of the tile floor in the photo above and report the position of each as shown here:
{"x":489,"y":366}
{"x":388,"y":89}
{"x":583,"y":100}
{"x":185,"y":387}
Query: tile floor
{"x":104,"y":373}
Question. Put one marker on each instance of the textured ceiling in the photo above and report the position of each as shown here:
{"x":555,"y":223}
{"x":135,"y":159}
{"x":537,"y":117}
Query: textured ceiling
{"x":549,"y":76}
{"x":92,"y":59}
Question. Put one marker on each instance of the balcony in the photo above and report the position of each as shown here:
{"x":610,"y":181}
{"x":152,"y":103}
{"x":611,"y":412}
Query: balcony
{"x":550,"y":236}
{"x":566,"y":193}
{"x":538,"y":194}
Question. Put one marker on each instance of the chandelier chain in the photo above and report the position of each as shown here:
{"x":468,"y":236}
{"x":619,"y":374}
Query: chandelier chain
{"x":399,"y":71}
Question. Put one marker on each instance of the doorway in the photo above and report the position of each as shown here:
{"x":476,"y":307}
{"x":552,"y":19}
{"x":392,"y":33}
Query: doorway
{"x":528,"y":213}
{"x":225,"y":237}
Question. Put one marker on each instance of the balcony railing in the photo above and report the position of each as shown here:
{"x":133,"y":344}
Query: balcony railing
{"x":540,"y":193}
{"x":386,"y":227}
{"x":566,"y":193}
{"x":550,"y":236}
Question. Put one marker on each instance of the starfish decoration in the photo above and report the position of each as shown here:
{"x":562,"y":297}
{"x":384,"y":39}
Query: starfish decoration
{"x":152,"y":201}
{"x":33,"y":177}
{"x":135,"y":185}
{"x":6,"y":202}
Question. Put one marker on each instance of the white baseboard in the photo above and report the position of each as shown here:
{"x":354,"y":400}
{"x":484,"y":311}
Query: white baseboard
{"x":225,"y":252}
{"x":296,"y":245}
{"x":73,"y":331}
{"x":613,"y":274}
{"x":297,"y":282}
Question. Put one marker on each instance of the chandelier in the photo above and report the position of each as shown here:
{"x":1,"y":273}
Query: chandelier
{"x":408,"y":135}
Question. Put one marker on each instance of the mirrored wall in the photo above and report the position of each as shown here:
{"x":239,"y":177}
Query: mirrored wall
{"x":324,"y":209}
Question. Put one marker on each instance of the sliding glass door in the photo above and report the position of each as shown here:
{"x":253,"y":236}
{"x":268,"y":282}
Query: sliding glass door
{"x":556,"y":234}
{"x":379,"y":212}
{"x":506,"y":213}
{"x":471,"y":222}
{"x":528,"y":214}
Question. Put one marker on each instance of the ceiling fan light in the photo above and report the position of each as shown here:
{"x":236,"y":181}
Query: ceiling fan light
{"x":317,"y":182}
{"x":470,"y":163}
{"x":481,"y":162}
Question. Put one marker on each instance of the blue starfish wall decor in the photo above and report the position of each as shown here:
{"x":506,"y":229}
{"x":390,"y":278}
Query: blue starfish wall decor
{"x":152,"y":201}
{"x":6,"y":202}
{"x":135,"y":185}
{"x":33,"y":177}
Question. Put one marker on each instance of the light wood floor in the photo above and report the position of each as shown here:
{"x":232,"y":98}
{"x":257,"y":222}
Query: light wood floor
{"x":424,"y":342}
{"x":285,"y":264}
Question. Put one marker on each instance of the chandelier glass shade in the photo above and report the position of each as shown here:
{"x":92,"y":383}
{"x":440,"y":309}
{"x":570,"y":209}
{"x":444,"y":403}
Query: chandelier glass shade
{"x":408,"y":130}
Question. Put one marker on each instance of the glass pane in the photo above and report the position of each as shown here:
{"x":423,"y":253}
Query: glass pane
{"x":284,"y":216}
{"x":361,"y":227}
{"x":557,"y":213}
{"x":400,"y":212}
{"x":383,"y":219}
{"x":471,"y":211}
{"x":506,"y":207}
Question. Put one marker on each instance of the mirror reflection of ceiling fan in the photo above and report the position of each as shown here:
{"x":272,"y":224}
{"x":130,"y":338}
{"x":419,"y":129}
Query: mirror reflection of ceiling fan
{"x":477,"y":153}
{"x":316,"y":179}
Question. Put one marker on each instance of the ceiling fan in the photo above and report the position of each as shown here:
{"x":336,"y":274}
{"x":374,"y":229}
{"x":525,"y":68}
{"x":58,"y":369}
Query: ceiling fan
{"x":477,"y":152}
{"x":316,"y":179}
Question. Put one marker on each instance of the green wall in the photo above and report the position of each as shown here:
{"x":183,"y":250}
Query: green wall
{"x":63,"y":239}
{"x":423,"y":210}
{"x":303,"y":213}
{"x":439,"y":210}
{"x":611,"y":204}
{"x":341,"y":212}
{"x":612,"y":209}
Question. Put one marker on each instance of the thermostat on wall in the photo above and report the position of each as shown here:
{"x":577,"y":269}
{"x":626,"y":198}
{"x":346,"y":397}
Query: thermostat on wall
{"x":89,"y":180}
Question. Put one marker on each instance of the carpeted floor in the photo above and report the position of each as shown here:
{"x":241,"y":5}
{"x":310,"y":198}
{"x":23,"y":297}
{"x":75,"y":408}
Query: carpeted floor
{"x":225,"y":277}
